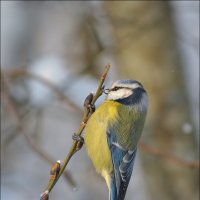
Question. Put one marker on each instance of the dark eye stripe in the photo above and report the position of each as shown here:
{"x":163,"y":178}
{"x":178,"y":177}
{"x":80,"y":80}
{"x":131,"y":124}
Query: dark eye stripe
{"x":117,"y":88}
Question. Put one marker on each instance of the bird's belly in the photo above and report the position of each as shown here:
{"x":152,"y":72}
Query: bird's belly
{"x":96,"y":138}
{"x":98,"y":149}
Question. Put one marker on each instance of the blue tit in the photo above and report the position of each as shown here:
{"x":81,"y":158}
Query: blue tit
{"x":112,"y":134}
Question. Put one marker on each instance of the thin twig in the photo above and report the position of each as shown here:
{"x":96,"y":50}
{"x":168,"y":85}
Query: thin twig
{"x":74,"y":148}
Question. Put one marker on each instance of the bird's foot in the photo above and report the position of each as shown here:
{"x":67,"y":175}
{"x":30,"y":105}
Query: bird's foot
{"x":80,"y":141}
{"x":91,"y":108}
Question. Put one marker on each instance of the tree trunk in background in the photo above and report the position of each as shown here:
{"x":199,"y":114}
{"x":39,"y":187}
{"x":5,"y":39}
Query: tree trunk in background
{"x":147,"y":52}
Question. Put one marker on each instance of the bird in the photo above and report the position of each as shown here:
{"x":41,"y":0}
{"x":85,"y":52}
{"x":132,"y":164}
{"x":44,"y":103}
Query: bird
{"x":112,"y":134}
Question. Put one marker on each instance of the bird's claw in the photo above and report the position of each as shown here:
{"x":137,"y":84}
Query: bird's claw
{"x":80,"y":141}
{"x":106,"y":91}
{"x":78,"y":138}
{"x":91,"y":108}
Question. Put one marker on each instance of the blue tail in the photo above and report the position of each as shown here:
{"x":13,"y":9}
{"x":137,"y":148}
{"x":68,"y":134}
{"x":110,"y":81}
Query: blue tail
{"x":113,"y":190}
{"x":114,"y":194}
{"x":123,"y":161}
{"x":122,"y":174}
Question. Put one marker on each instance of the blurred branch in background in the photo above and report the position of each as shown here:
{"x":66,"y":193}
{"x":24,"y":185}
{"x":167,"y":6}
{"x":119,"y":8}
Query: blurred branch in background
{"x":17,"y":73}
{"x":20,"y":126}
{"x":176,"y":160}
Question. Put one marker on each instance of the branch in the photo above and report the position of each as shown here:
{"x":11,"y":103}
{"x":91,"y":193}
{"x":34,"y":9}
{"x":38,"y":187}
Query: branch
{"x":156,"y":152}
{"x":76,"y":146}
{"x":12,"y":107}
{"x":15,"y":73}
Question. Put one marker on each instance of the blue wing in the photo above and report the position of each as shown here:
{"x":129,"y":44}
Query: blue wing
{"x":123,"y":160}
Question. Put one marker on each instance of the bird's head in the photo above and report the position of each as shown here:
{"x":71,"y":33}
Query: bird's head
{"x":127,"y":92}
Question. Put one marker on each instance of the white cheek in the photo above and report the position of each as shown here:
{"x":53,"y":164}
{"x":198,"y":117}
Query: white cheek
{"x":119,"y":94}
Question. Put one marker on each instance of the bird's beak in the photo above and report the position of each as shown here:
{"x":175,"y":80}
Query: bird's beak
{"x":106,"y":91}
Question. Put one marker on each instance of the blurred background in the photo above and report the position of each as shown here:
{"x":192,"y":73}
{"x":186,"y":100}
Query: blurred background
{"x":52,"y":56}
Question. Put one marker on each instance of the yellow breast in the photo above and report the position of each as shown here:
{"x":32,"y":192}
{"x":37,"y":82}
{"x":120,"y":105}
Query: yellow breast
{"x":96,"y":137}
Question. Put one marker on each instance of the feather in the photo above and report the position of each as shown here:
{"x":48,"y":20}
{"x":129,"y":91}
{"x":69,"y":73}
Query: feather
{"x":123,"y":161}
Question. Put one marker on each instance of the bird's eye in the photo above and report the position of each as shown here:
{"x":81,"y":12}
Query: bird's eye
{"x":115,"y":88}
